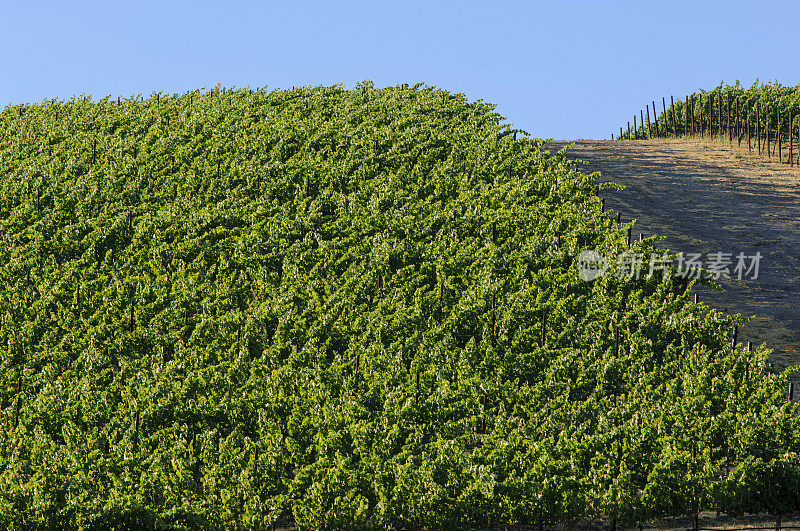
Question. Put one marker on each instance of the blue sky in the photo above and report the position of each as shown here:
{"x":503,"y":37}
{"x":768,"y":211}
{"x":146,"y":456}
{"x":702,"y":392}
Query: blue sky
{"x":563,"y":70}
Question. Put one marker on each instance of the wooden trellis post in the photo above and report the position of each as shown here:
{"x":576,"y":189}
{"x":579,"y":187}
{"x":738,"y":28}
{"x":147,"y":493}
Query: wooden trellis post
{"x":655,"y":119}
{"x":791,"y":141}
{"x":728,"y":106}
{"x":766,"y":129}
{"x":747,"y":125}
{"x":641,"y":120}
{"x":686,"y":118}
{"x":778,"y":132}
{"x":711,"y":116}
{"x":758,"y":126}
{"x":747,"y":363}
{"x":672,"y":107}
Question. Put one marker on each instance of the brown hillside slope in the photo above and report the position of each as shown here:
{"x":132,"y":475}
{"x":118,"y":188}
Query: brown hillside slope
{"x":707,"y":197}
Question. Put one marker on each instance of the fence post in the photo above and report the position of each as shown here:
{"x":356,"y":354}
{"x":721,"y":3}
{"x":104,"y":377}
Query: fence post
{"x":719,"y":116}
{"x":747,"y":125}
{"x":738,"y":125}
{"x":747,"y":363}
{"x":686,"y":117}
{"x":778,"y":133}
{"x":728,"y":105}
{"x":655,"y":119}
{"x":664,"y":107}
{"x":694,"y":125}
{"x":766,"y":129}
{"x":791,"y":141}
{"x":711,"y":116}
{"x":758,"y":126}
{"x":641,"y":121}
{"x":635,"y":129}
{"x":672,"y":107}
{"x":649,"y":128}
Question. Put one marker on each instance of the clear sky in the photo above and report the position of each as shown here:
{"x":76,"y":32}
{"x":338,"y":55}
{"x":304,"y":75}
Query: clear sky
{"x":563,"y":70}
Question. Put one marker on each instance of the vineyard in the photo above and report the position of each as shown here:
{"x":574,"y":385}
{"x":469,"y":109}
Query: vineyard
{"x":350,"y":309}
{"x":765,"y":117}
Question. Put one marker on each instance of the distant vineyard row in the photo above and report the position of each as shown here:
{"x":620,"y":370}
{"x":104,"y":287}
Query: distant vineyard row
{"x":765,"y":116}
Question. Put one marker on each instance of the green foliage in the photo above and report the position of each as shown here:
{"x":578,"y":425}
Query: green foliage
{"x":757,"y":485}
{"x":232,"y":306}
{"x":765,"y":98}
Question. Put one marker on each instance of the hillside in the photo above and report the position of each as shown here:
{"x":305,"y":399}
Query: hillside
{"x":348,"y":308}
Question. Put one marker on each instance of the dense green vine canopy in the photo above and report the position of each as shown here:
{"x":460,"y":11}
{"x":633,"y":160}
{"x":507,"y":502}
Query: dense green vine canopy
{"x":349,"y":307}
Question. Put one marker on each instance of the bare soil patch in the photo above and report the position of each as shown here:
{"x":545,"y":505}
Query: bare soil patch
{"x":706,"y":197}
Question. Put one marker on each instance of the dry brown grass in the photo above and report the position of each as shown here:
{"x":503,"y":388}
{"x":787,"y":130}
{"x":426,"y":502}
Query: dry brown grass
{"x":706,"y":196}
